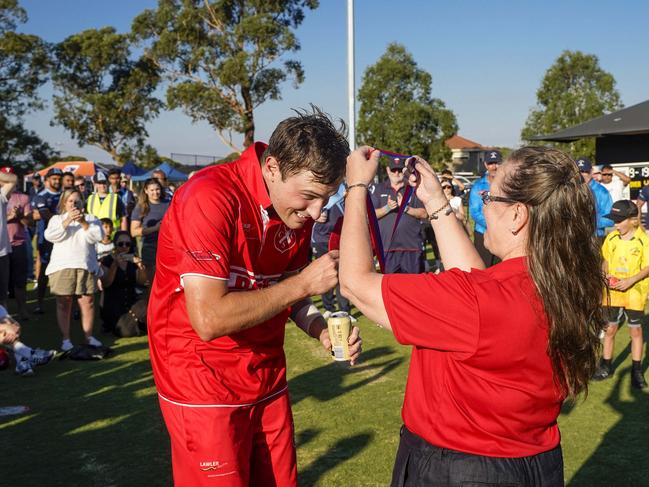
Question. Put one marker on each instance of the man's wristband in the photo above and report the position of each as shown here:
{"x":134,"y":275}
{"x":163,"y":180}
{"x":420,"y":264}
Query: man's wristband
{"x":356,"y":185}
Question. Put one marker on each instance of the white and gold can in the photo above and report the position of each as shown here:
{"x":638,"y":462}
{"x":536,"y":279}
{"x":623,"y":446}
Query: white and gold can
{"x":340,"y":327}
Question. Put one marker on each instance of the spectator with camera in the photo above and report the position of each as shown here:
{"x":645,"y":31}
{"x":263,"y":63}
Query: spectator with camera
{"x":122,"y":272}
{"x":146,"y":219}
{"x":73,"y":268}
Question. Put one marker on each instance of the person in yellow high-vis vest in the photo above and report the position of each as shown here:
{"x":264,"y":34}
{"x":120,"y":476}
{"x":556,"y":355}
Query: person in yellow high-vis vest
{"x":103,"y":204}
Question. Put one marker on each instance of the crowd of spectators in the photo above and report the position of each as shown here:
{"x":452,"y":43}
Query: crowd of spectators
{"x":75,"y":238}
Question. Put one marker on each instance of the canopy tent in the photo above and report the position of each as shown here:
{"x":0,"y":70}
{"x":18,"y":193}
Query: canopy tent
{"x":78,"y":168}
{"x":130,"y":169}
{"x":633,"y":120}
{"x":172,"y":173}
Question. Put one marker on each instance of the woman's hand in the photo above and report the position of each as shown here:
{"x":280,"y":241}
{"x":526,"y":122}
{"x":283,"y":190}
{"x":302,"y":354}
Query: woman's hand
{"x":427,"y":186}
{"x":362,"y":165}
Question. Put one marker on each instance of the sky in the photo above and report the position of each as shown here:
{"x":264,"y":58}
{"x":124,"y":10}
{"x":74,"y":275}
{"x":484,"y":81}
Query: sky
{"x":487,"y":59}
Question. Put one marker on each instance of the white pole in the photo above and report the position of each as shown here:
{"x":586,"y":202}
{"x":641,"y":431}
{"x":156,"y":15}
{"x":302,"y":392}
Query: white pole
{"x":351,"y":92}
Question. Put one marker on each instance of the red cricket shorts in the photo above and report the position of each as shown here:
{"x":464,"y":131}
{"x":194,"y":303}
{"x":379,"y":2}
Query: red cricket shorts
{"x":232,"y":446}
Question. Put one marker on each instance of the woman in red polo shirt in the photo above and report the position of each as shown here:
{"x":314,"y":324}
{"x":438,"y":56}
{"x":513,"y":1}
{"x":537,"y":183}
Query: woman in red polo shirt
{"x":495,"y":351}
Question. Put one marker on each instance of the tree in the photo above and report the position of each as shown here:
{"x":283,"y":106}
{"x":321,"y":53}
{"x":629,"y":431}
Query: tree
{"x":397,"y":112}
{"x":218,"y":56}
{"x":24,"y":67}
{"x":574,"y":90}
{"x":104,"y":96}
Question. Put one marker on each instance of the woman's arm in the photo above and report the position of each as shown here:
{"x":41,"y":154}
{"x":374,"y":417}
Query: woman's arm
{"x":93,"y":232}
{"x":358,"y":280}
{"x":137,"y":230}
{"x":109,"y":273}
{"x":56,"y":230}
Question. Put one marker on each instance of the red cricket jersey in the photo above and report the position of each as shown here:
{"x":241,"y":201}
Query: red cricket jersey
{"x":221,"y":225}
{"x":480,"y":378}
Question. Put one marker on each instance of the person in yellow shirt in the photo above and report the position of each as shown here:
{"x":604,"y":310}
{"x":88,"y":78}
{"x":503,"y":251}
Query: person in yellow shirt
{"x":626,"y":264}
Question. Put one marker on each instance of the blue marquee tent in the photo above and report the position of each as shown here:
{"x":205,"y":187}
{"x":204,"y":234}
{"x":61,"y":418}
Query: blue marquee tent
{"x":131,"y":169}
{"x":172,"y":173}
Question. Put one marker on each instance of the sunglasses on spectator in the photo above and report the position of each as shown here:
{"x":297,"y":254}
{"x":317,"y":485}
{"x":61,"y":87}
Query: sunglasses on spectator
{"x":487,"y":198}
{"x":396,"y":169}
{"x":123,"y":244}
{"x":446,"y":186}
{"x":607,"y":174}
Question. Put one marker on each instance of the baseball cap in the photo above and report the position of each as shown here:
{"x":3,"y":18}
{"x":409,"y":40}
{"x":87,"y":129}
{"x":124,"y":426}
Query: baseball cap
{"x":493,"y":156}
{"x":55,"y":171}
{"x":99,"y":177}
{"x":622,"y":210}
{"x":397,"y":163}
{"x":7,"y":170}
{"x":584,"y":165}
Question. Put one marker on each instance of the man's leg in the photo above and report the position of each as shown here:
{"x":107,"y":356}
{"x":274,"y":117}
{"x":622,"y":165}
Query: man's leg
{"x":209,"y":446}
{"x":4,"y":279}
{"x":273,"y":462}
{"x":635,"y":319}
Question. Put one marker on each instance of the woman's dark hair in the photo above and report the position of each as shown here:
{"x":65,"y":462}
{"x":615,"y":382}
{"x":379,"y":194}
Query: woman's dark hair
{"x":564,"y":259}
{"x":122,"y":233}
{"x":310,"y":142}
{"x":143,"y":200}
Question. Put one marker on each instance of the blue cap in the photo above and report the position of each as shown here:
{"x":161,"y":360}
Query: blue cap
{"x":493,"y":156}
{"x":584,"y":164}
{"x":55,"y":171}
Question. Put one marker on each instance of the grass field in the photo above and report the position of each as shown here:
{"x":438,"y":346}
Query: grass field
{"x":98,"y":423}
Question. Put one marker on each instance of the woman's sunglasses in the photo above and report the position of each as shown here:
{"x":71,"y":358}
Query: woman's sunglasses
{"x":123,"y":244}
{"x":487,"y":198}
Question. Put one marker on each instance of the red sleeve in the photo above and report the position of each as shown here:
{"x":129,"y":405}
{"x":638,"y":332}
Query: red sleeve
{"x":203,"y":226}
{"x":433,"y":311}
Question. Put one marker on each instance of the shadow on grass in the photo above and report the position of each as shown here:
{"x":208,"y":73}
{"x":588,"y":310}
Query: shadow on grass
{"x":330,"y":377}
{"x":91,"y":423}
{"x":344,"y":450}
{"x":622,"y":458}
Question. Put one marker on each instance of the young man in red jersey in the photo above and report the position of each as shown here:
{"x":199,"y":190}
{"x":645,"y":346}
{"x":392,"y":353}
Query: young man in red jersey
{"x":232,"y":267}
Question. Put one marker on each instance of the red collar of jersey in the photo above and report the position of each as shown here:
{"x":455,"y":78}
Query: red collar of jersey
{"x":249,"y":166}
{"x":509,"y":266}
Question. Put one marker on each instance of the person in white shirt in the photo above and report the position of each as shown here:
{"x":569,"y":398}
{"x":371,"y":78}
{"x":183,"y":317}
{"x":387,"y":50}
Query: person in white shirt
{"x":73,"y":267}
{"x":615,"y":182}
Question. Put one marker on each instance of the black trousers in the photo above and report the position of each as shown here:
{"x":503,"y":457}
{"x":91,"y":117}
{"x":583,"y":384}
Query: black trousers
{"x":419,"y":463}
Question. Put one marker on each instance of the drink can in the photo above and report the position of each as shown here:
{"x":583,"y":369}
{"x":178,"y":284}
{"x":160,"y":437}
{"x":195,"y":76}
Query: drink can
{"x":339,"y":326}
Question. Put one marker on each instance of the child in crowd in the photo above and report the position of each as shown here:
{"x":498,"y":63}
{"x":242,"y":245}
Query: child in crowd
{"x":26,"y":357}
{"x":106,"y":246}
{"x":626,"y":265}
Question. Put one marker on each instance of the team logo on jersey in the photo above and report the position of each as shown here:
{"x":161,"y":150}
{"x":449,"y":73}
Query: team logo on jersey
{"x":285,"y":239}
{"x":203,"y":255}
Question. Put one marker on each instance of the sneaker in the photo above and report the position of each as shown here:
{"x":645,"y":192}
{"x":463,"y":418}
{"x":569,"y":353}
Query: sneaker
{"x":24,"y":367}
{"x":93,"y":342}
{"x":41,"y":357}
{"x":603,"y":372}
{"x":66,"y":346}
{"x":326,"y":315}
{"x":637,"y":379}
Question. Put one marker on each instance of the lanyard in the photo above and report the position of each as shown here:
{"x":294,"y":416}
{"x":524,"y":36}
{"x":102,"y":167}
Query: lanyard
{"x":373,"y":222}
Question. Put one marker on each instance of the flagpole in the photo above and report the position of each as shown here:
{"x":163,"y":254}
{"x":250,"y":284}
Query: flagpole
{"x":351,"y":92}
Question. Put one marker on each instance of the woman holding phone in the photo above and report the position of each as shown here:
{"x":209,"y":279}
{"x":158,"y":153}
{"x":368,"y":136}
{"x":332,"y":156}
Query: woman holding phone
{"x":73,"y":267}
{"x":494,"y":351}
{"x":122,"y":271}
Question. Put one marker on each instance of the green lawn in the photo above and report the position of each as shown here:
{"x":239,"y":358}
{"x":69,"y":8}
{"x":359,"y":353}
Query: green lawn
{"x":98,"y":423}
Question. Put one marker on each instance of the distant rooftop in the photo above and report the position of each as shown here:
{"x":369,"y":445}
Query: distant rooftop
{"x":459,"y":142}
